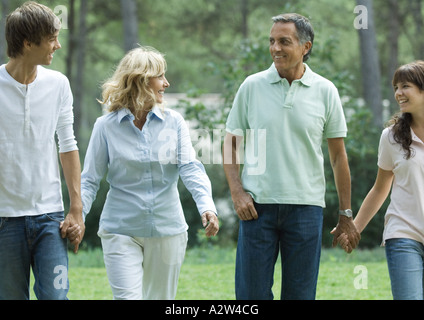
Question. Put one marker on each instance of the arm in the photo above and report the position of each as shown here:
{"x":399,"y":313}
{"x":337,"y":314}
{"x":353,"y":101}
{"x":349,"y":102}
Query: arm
{"x":197,"y":182}
{"x":340,"y":165}
{"x":96,"y":164}
{"x":73,"y":226}
{"x":375,"y":199}
{"x":372,"y":203}
{"x":243,"y":202}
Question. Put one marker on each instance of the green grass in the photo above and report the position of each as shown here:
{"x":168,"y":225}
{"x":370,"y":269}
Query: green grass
{"x":208,"y":274}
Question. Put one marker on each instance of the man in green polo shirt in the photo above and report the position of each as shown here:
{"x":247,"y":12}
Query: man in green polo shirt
{"x":279,"y":118}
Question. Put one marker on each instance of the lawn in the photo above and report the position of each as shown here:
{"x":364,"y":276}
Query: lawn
{"x":208,"y":274}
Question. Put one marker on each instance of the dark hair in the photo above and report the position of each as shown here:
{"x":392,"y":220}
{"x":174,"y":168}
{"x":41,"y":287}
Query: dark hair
{"x":305,"y":31}
{"x":31,"y":22}
{"x":401,"y":122}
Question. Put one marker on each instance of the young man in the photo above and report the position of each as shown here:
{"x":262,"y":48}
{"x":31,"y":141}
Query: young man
{"x":35,"y":104}
{"x":287,"y":110}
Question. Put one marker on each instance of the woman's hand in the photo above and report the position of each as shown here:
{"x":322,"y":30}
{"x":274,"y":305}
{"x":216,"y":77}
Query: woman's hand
{"x":211,"y":223}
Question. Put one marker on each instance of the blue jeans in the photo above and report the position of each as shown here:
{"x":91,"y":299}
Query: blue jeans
{"x":33,"y":241}
{"x":295,"y":231}
{"x":405,"y":259}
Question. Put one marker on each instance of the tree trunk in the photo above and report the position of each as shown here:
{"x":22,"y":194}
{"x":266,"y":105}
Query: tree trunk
{"x":4,"y":13}
{"x":245,"y":15}
{"x":370,"y":66}
{"x":416,"y":12}
{"x":393,"y":43}
{"x":72,"y":40}
{"x":80,"y":69}
{"x":130,"y":22}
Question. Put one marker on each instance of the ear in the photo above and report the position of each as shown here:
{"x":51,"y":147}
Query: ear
{"x":27,"y":44}
{"x":307,"y":47}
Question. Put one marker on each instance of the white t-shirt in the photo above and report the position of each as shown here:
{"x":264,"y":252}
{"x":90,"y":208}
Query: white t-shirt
{"x":31,"y":114}
{"x":405,"y":214}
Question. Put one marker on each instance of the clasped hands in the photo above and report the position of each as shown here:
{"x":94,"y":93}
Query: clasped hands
{"x":73,"y":228}
{"x":346,"y":234}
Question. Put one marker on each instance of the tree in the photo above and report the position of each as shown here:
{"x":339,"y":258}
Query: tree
{"x":81,"y":56}
{"x":4,"y":10}
{"x":370,"y":64}
{"x":392,"y":37}
{"x":130,"y":22}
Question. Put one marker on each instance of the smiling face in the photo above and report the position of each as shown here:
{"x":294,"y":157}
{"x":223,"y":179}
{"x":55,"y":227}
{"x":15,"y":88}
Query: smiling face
{"x":409,"y":97}
{"x":286,"y":50}
{"x":42,"y":54}
{"x":158,"y":85}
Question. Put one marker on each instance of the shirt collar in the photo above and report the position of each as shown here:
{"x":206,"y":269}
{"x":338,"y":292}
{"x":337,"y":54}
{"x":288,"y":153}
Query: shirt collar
{"x":415,"y":137}
{"x":125,"y":113}
{"x":274,"y":77}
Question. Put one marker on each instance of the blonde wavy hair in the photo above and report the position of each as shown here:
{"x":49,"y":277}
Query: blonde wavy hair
{"x":129,"y":85}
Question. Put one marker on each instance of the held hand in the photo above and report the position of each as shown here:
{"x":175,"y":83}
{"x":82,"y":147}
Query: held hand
{"x":211,"y":223}
{"x":343,"y":241}
{"x":73,"y":228}
{"x":346,"y":234}
{"x":243,"y":204}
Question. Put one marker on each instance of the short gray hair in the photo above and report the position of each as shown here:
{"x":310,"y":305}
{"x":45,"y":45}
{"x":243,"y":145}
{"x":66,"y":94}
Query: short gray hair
{"x":305,"y":31}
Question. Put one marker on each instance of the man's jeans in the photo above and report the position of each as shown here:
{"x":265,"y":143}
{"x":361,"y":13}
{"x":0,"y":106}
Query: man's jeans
{"x":405,"y":259}
{"x":33,"y":241}
{"x":295,"y":231}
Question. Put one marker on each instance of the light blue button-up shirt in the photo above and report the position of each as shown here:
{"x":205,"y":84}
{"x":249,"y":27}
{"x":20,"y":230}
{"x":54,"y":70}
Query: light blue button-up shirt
{"x":143,"y":168}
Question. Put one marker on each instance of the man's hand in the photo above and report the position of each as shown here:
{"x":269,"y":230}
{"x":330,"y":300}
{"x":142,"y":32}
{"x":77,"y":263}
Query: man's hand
{"x":73,"y":228}
{"x":243,"y":204}
{"x":211,"y":223}
{"x":346,"y":234}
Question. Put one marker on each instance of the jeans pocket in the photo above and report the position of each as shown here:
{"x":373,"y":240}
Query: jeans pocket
{"x":55,"y":216}
{"x":2,"y":222}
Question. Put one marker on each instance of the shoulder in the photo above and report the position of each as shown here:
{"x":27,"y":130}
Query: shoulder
{"x":256,"y":83}
{"x":321,"y":82}
{"x":387,"y":137}
{"x":172,"y":115}
{"x":51,"y":74}
{"x":259,"y":78}
{"x":174,"y":120}
{"x":106,"y":120}
{"x":52,"y":77}
{"x":387,"y":133}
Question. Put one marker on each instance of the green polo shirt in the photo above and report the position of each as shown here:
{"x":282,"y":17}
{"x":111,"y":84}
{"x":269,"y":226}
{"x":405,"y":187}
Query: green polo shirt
{"x":284,"y":127}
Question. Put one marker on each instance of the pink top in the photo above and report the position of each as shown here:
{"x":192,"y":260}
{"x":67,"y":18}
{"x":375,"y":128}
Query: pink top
{"x":405,"y":214}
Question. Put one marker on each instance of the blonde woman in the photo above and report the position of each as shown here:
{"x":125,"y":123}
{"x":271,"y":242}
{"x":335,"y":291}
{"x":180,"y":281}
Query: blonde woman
{"x":144,"y":149}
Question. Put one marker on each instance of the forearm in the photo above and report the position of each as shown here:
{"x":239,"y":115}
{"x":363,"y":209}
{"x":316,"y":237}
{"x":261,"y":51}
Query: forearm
{"x":374,"y":200}
{"x":197,"y":182}
{"x":72,"y":172}
{"x":372,"y":203}
{"x":342,"y":180}
{"x":232,"y":173}
{"x":232,"y":164}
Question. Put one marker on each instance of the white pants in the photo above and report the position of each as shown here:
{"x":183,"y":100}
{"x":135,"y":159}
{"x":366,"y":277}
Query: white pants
{"x":143,"y":268}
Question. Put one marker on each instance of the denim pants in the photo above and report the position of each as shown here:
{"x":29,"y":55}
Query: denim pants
{"x":405,"y":260}
{"x":295,"y":231}
{"x":33,"y":241}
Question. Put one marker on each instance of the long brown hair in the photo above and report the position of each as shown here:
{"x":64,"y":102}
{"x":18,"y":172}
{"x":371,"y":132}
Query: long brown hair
{"x":412,"y":72}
